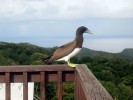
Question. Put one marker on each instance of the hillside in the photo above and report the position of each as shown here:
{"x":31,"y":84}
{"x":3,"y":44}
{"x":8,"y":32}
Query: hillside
{"x":21,"y":53}
{"x":91,"y":53}
{"x":126,"y":53}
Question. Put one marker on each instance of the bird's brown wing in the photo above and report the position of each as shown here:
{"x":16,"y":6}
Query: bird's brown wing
{"x":63,"y":51}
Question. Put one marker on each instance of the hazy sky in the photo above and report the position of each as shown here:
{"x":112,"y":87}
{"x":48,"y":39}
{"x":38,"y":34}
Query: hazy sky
{"x":51,"y":23}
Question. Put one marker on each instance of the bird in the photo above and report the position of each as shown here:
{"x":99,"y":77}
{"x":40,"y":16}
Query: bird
{"x":68,"y":50}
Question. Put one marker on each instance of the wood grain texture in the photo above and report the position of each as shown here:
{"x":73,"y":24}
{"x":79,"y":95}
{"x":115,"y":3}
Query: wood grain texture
{"x":8,"y":94}
{"x":79,"y":93}
{"x":25,"y":86}
{"x":35,"y":68}
{"x":59,"y":83}
{"x":42,"y":86}
{"x":91,"y":86}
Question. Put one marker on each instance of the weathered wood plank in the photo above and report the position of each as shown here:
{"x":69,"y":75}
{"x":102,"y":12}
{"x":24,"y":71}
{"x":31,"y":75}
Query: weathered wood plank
{"x":35,"y":68}
{"x":25,"y":86}
{"x":42,"y":86}
{"x":8,"y":93}
{"x":59,"y":83}
{"x":79,"y":93}
{"x":91,"y":86}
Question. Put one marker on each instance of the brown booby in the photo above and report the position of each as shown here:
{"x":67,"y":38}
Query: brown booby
{"x":66,"y":51}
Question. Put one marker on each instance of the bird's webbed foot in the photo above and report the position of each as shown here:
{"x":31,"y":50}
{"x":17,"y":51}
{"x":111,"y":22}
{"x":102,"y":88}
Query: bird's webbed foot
{"x":71,"y":64}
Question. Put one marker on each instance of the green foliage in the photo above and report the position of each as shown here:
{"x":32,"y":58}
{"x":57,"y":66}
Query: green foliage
{"x":5,"y":61}
{"x":68,"y":91}
{"x":113,"y":71}
{"x":112,"y":88}
{"x":22,"y":53}
{"x":51,"y":89}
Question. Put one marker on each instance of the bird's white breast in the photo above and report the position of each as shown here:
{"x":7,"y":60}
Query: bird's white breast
{"x":73,"y":53}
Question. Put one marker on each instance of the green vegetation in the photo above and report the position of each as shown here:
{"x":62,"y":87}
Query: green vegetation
{"x":114,"y":71}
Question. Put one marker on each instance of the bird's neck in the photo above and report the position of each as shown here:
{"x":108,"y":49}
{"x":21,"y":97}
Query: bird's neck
{"x":79,"y":39}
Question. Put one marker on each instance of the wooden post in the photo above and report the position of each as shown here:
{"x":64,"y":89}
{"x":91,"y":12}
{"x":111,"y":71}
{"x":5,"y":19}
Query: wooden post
{"x":59,"y":85}
{"x":42,"y":85}
{"x":25,"y":86}
{"x":92,"y":88}
{"x":79,"y":93}
{"x":8,"y":93}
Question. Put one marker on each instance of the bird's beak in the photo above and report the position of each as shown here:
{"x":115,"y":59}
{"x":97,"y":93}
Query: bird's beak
{"x":89,"y":32}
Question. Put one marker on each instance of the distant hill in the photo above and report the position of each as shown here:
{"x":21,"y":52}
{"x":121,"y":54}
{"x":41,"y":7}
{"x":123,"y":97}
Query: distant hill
{"x":126,"y":53}
{"x":91,"y":53}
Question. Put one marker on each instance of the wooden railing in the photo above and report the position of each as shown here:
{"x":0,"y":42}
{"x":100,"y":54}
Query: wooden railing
{"x":87,"y":87}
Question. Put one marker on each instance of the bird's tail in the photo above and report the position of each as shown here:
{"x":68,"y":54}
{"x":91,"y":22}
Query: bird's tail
{"x":46,"y":60}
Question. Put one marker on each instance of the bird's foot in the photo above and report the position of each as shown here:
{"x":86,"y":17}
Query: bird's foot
{"x":71,"y":64}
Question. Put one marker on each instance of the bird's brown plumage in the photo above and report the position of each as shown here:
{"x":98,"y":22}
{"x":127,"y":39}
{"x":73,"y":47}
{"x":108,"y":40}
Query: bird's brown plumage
{"x":62,"y":51}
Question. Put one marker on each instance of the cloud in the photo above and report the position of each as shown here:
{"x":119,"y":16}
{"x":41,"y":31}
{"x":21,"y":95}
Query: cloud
{"x":65,"y":9}
{"x":34,"y":20}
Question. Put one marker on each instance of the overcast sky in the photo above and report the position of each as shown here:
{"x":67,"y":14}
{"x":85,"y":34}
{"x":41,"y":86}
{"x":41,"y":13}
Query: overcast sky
{"x":51,"y":23}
